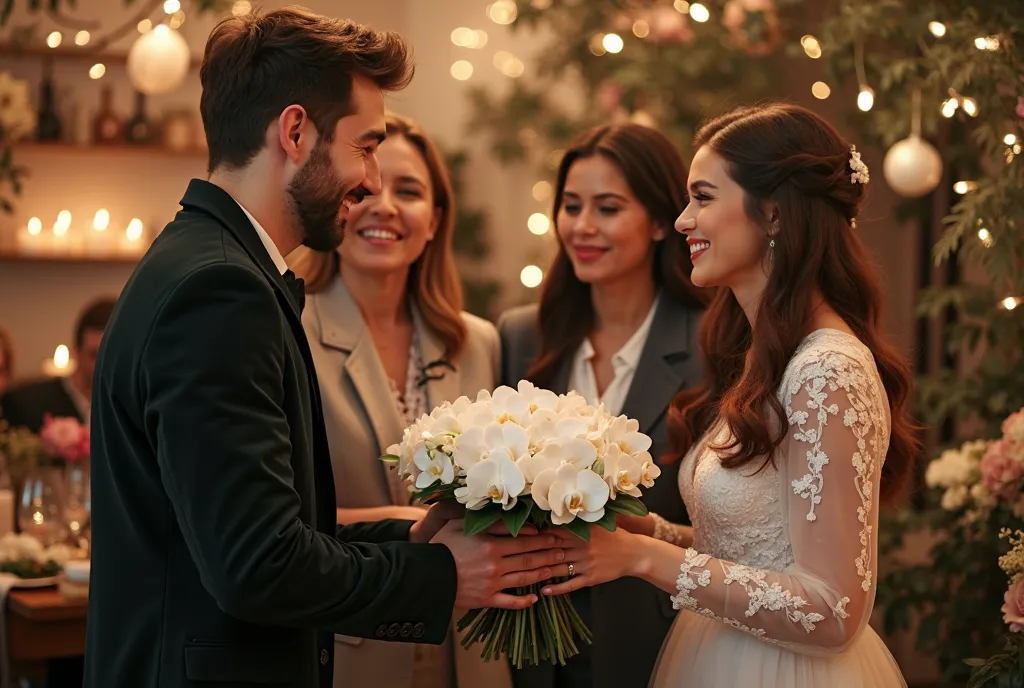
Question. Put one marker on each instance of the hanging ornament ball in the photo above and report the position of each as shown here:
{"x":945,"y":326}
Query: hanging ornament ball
{"x":912,"y":167}
{"x":158,"y":61}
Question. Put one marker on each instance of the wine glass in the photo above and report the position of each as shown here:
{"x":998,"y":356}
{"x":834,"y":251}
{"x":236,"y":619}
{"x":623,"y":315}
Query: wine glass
{"x":41,"y":508}
{"x":77,"y":502}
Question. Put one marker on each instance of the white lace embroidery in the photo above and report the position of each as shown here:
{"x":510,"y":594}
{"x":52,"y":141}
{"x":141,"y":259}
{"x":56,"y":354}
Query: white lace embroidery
{"x":834,"y":372}
{"x":737,"y":513}
{"x":669,"y":532}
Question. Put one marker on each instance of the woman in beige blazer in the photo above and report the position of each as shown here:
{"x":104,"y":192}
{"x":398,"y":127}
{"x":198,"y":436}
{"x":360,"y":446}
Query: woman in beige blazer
{"x":390,"y":341}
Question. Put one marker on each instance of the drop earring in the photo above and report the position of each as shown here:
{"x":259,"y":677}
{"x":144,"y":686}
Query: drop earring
{"x":771,"y":244}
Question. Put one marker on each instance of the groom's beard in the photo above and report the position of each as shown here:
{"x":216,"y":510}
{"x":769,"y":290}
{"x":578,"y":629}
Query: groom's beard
{"x":317,"y":193}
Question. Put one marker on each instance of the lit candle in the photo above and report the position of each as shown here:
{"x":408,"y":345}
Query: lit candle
{"x":30,"y":240}
{"x":60,"y":232}
{"x":131,"y":244}
{"x":60,"y":364}
{"x":99,"y":238}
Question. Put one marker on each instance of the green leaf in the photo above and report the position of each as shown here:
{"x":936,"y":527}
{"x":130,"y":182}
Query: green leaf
{"x":389,"y":458}
{"x":479,"y":520}
{"x":626,"y":504}
{"x":515,"y":517}
{"x":607,"y":521}
{"x":579,"y":528}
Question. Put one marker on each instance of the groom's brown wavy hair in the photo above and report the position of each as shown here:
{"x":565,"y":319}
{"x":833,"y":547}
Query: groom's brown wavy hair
{"x":258,"y":64}
{"x":790,"y":155}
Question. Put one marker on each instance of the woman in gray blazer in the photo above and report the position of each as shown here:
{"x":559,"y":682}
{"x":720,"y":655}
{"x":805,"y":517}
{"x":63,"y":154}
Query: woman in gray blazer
{"x":617,"y":322}
{"x":390,"y":341}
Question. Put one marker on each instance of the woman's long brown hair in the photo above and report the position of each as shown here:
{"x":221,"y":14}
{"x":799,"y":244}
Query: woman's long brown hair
{"x":791,"y":156}
{"x":434,"y":284}
{"x":656,"y":175}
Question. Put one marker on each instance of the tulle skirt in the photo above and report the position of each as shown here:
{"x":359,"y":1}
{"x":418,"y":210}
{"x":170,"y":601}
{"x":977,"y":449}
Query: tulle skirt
{"x":704,"y":653}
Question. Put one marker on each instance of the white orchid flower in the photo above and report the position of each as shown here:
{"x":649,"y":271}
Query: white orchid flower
{"x":495,"y":478}
{"x":625,"y":432}
{"x":537,"y":399}
{"x":622,"y":472}
{"x":508,"y":405}
{"x":470,"y":447}
{"x":569,"y":492}
{"x":572,"y":450}
{"x":435,"y":465}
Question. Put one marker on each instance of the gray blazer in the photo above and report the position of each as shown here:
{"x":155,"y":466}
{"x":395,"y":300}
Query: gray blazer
{"x":362,"y":421}
{"x":628,"y":617}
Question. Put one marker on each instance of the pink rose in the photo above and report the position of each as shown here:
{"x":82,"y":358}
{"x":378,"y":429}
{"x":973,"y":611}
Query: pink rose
{"x":1013,"y":606}
{"x":65,"y":438}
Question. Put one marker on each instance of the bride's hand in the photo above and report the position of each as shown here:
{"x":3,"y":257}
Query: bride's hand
{"x":605,"y":557}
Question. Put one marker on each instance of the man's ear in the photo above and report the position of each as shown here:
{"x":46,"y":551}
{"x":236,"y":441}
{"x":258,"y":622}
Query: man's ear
{"x":294,"y":129}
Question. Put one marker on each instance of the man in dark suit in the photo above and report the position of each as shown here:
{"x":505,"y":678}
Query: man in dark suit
{"x":216,"y":559}
{"x":27,"y":404}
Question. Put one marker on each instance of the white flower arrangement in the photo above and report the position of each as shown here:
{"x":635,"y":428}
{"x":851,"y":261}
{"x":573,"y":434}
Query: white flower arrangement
{"x":17,"y":117}
{"x":528,"y":454}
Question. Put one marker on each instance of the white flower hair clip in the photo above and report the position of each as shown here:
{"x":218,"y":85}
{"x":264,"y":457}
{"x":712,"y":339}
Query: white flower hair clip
{"x":860,"y":169}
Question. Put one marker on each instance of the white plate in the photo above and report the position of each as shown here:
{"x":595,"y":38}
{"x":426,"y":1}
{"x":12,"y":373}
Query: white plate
{"x":27,"y":583}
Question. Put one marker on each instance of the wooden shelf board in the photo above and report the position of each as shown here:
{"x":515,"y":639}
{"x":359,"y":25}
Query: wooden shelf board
{"x":81,"y":54}
{"x":68,"y":148}
{"x":8,"y":256}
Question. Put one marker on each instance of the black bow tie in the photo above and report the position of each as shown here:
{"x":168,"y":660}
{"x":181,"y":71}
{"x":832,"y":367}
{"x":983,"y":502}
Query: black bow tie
{"x":297,"y":287}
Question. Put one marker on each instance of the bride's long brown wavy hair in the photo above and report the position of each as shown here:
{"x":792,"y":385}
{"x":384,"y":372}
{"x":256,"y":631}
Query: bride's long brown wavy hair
{"x":790,"y":156}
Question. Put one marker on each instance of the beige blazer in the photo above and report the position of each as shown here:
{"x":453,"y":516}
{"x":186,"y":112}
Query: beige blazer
{"x":362,"y":422}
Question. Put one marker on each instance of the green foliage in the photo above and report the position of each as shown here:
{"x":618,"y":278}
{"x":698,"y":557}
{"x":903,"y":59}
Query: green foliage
{"x":1004,"y":669}
{"x":679,"y":74}
{"x":469,"y":241}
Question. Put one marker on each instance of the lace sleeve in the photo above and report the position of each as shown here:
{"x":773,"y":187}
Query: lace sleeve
{"x":830,"y":466}
{"x":673,"y":533}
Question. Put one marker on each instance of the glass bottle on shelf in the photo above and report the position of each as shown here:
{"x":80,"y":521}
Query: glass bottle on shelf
{"x":106,"y":126}
{"x":48,"y":124}
{"x":139,"y":129}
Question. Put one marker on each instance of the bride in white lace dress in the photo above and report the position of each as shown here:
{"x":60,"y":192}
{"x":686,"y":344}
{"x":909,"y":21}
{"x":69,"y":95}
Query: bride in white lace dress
{"x":796,"y":435}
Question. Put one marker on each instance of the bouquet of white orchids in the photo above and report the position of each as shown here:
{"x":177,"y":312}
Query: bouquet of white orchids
{"x":528,"y":454}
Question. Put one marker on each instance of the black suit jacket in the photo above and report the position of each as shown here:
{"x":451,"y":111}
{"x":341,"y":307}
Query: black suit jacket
{"x":24,"y":406}
{"x":628,"y":617}
{"x":216,"y":559}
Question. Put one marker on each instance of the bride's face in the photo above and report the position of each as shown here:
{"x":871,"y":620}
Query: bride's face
{"x":389,"y":231}
{"x":727,"y":246}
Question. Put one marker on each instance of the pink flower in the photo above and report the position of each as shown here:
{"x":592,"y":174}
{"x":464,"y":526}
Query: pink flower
{"x":1013,"y":606}
{"x":1000,"y":473}
{"x":65,"y":438}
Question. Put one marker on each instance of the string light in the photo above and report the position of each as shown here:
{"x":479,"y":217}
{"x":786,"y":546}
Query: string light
{"x":820,"y":90}
{"x":82,"y":37}
{"x":541,"y":191}
{"x":985,"y":237}
{"x":538,"y":224}
{"x":970,"y":106}
{"x":699,"y":13}
{"x":462,"y":37}
{"x":641,"y":29}
{"x":241,"y":8}
{"x":144,"y":26}
{"x":987,"y":42}
{"x":681,"y":6}
{"x":503,"y":12}
{"x":54,"y":39}
{"x":462,"y":70}
{"x":531,"y":276}
{"x":97,"y":71}
{"x":177,"y":19}
{"x":101,"y":220}
{"x":597,"y":45}
{"x":1011,"y":302}
{"x":866,"y":99}
{"x":1010,"y":139}
{"x":612,"y":42}
{"x":811,"y":46}
{"x":949,"y":107}
{"x":964,"y":187}
{"x":134,"y":231}
{"x":35,"y":226}
{"x":938,"y":29}
{"x":171,"y":6}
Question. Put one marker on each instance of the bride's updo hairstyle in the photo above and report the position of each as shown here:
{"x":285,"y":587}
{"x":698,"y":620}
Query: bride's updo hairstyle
{"x":788,"y":155}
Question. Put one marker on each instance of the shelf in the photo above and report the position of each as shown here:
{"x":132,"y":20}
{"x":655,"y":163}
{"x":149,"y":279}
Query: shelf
{"x":7,"y":256}
{"x":68,"y":148}
{"x":83,"y":54}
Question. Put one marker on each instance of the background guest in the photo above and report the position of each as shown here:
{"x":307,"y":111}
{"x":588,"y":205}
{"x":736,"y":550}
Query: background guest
{"x":390,"y":341}
{"x":617,"y":323}
{"x":71,"y":396}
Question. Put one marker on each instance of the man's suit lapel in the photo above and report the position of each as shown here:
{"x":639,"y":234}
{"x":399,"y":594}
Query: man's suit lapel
{"x":342,"y":328}
{"x":662,"y":368}
{"x":212,"y":200}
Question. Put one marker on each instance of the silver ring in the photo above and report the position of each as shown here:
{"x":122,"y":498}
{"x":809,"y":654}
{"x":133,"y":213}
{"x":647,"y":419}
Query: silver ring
{"x":571,"y":572}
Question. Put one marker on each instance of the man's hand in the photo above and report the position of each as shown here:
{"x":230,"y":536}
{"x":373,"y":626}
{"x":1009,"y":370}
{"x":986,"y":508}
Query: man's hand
{"x":431,"y":521}
{"x":488,"y":564}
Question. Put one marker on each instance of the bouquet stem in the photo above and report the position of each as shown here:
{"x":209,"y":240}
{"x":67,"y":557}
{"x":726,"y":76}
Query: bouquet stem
{"x":542,"y":632}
